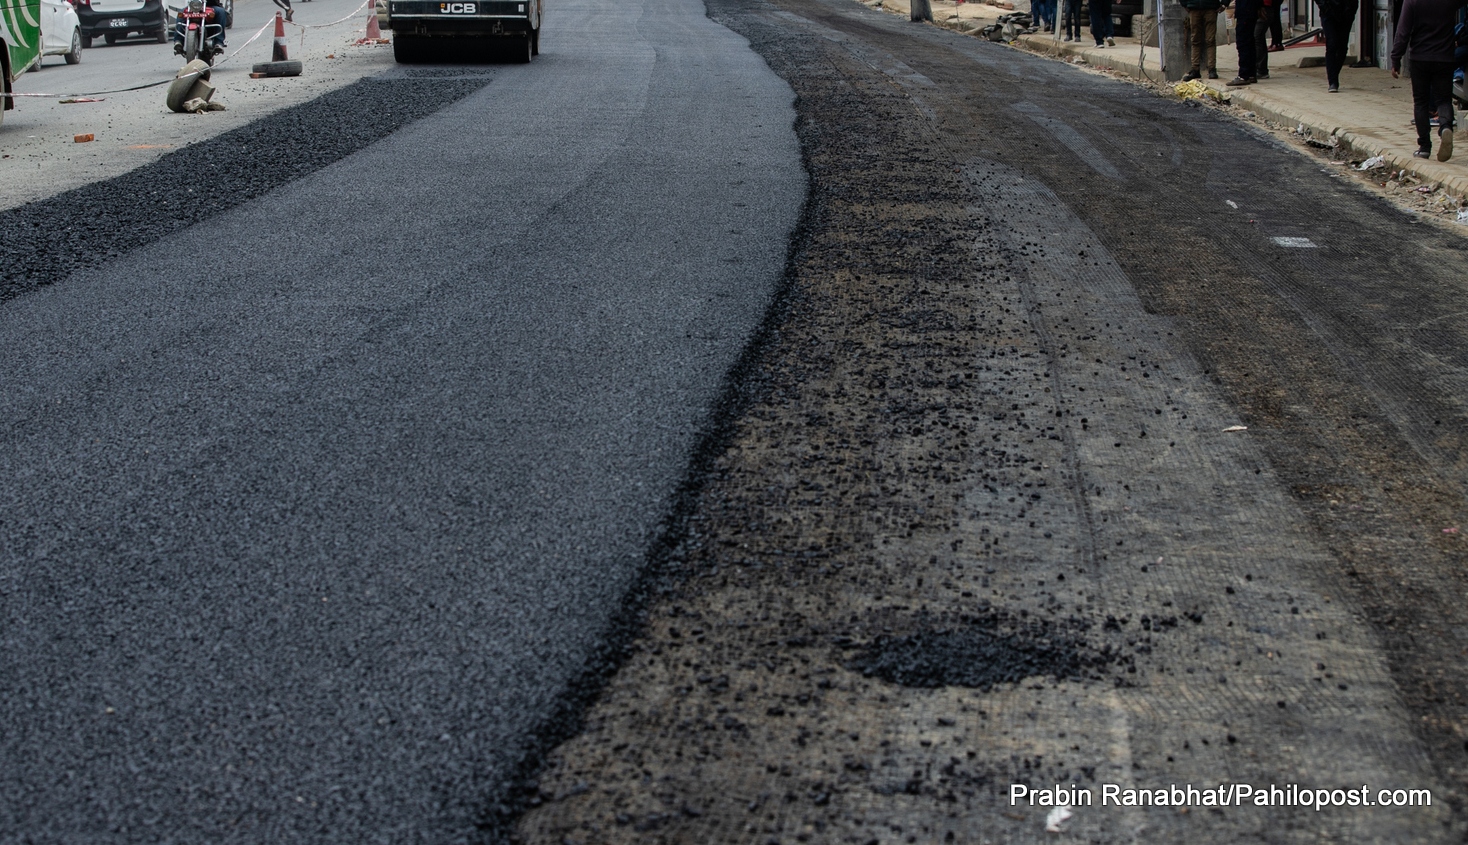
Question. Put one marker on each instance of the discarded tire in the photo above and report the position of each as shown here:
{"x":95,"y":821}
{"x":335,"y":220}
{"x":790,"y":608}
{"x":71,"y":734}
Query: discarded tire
{"x":192,"y":81}
{"x":291,"y":67}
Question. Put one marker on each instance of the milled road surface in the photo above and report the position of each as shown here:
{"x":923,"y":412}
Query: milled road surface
{"x":311,"y":511}
{"x":1082,"y":386}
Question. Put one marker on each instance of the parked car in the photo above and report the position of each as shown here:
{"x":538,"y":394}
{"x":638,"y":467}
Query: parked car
{"x":61,"y":30}
{"x":114,"y":19}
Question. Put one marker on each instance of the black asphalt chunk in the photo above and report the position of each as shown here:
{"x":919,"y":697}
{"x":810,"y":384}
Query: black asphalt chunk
{"x":49,"y":239}
{"x":983,"y":653}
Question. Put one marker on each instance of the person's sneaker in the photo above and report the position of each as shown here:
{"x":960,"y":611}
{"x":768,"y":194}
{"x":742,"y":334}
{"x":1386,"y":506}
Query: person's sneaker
{"x":1277,"y":48}
{"x":1333,"y":89}
{"x":1264,"y":75}
{"x":1212,"y":74}
{"x":1191,"y":75}
{"x":1110,"y":42}
{"x":1066,"y":38}
{"x":1100,"y":44}
{"x":1237,"y":81}
{"x":1445,"y":144}
{"x":1422,"y":154}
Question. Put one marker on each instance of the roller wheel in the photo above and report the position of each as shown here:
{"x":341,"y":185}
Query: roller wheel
{"x":407,"y":49}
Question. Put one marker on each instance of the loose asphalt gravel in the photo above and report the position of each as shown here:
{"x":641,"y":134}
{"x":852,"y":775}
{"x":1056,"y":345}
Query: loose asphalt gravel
{"x":323,"y":482}
{"x":1065,"y":352}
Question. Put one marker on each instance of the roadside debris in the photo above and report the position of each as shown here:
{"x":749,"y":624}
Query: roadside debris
{"x":189,"y":87}
{"x":82,"y":139}
{"x":1057,"y":818}
{"x":199,"y":104}
{"x":1236,"y":428}
{"x":1009,"y":27}
{"x":1197,"y":90}
{"x":70,"y":100}
{"x":1373,"y":162}
{"x":1463,"y":216}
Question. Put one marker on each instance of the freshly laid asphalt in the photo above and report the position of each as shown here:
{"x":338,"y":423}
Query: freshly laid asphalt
{"x":311,"y":511}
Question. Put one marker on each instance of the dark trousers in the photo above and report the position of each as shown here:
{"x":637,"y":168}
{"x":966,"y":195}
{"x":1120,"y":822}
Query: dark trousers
{"x":1432,"y":88}
{"x":1246,"y":14}
{"x":1261,"y":45}
{"x":1070,"y":18}
{"x":1337,"y":36}
{"x":1101,"y":20}
{"x":1276,"y":29}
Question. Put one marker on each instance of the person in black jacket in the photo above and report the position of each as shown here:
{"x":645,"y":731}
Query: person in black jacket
{"x":1425,"y":29}
{"x":1203,"y":36}
{"x":1336,"y":19}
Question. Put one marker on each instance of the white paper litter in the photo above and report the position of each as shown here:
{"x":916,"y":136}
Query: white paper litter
{"x":1237,"y":428}
{"x":1056,"y":818}
{"x":1374,"y":161}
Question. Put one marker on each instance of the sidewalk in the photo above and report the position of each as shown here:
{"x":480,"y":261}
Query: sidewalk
{"x":1371,"y":116}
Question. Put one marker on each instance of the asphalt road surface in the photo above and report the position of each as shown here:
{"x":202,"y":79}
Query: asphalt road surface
{"x":313,"y":508}
{"x":1110,"y":441}
{"x":133,"y":127}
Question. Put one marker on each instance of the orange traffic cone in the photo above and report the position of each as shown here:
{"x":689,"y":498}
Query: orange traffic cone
{"x":278,"y":54}
{"x":374,"y":32}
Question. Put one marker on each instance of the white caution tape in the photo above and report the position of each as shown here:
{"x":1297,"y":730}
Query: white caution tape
{"x":333,"y":23}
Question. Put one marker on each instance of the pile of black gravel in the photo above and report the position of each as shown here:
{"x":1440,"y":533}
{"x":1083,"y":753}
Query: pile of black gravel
{"x":982,"y":653}
{"x":47,"y":240}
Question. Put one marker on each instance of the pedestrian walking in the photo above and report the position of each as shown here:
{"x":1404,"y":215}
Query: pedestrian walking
{"x":1203,"y":36}
{"x":1246,"y":18}
{"x":1336,"y":19}
{"x":1070,"y":19}
{"x":1101,"y":28}
{"x":1425,"y":31}
{"x":1044,"y":12}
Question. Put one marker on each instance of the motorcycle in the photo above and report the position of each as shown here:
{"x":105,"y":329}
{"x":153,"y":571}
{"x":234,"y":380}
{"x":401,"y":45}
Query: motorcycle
{"x":197,"y":33}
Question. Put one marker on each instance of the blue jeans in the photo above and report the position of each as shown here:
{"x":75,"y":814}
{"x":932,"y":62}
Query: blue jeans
{"x":1070,"y":18}
{"x":1044,"y":12}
